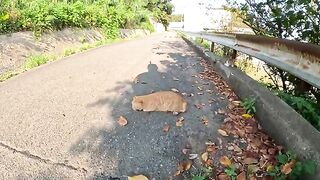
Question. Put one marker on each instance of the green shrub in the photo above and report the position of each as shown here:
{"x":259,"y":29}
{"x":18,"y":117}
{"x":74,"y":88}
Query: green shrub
{"x":249,"y":105}
{"x":303,"y":105}
{"x":46,"y":15}
{"x":36,"y":60}
{"x":68,"y":52}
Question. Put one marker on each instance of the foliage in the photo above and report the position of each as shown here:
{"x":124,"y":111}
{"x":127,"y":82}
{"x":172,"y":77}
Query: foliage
{"x":289,"y":19}
{"x":109,"y":15}
{"x":231,"y":172}
{"x":249,"y":105}
{"x":203,"y":174}
{"x":304,"y":106}
{"x":203,"y":43}
{"x":161,"y":11}
{"x":294,"y":169}
{"x":68,"y":52}
{"x":37,"y":60}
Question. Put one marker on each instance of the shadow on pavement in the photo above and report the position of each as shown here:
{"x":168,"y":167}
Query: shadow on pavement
{"x":141,"y":147}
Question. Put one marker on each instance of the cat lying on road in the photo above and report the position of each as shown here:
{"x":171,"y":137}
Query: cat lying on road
{"x":160,"y":101}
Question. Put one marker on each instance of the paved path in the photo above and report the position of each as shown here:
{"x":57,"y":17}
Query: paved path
{"x":59,"y":120}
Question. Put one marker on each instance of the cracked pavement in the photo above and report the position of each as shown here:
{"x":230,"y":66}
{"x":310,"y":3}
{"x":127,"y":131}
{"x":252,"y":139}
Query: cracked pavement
{"x":58,"y":121}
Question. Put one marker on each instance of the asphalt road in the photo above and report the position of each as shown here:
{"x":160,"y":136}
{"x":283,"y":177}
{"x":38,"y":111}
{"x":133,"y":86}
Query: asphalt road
{"x":58,"y":121}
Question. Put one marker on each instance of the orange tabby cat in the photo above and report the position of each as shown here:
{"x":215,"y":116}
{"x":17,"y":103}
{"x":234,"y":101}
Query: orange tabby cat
{"x":159,"y":101}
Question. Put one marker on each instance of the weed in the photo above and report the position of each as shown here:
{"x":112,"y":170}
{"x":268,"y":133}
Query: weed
{"x":86,"y":46}
{"x":203,"y":174}
{"x":298,"y":169}
{"x":231,"y":172}
{"x":249,"y":105}
{"x":68,"y":52}
{"x":36,"y":60}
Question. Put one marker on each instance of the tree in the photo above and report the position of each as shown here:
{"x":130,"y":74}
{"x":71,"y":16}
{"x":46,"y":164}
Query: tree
{"x":162,"y":9}
{"x":291,"y":19}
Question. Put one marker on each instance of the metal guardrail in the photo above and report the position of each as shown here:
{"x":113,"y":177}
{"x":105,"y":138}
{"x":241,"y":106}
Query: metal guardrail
{"x":299,"y":59}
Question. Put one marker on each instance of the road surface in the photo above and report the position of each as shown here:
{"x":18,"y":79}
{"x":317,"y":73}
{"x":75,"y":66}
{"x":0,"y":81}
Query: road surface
{"x":59,"y":121}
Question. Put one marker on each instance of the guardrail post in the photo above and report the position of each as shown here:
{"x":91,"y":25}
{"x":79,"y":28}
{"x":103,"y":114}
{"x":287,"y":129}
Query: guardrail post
{"x":212,"y":47}
{"x":234,"y":54}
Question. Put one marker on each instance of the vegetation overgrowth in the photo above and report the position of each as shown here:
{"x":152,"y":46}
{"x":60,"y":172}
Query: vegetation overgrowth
{"x":46,"y":15}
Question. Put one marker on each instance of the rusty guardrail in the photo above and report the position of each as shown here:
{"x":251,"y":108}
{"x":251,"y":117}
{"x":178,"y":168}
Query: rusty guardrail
{"x":298,"y":58}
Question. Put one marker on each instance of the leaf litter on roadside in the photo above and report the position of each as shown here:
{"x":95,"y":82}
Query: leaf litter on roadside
{"x":250,"y":148}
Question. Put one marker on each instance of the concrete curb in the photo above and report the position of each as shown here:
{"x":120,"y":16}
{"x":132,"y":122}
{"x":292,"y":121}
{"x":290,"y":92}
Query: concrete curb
{"x":277,"y":118}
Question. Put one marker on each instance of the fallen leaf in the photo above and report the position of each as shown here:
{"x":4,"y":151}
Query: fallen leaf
{"x":175,"y":90}
{"x":166,"y":128}
{"x":199,"y":106}
{"x":122,"y":121}
{"x":185,"y":151}
{"x":211,"y":148}
{"x":241,"y":176}
{"x":205,"y":157}
{"x":222,"y":132}
{"x":225,"y":161}
{"x":246,"y":116}
{"x":223,"y":176}
{"x":287,"y":168}
{"x":209,"y":162}
{"x":205,"y":120}
{"x":250,"y":161}
{"x":185,"y":165}
{"x":193,"y":156}
{"x":179,"y":121}
{"x":137,"y":177}
{"x":236,"y":103}
{"x":220,"y":111}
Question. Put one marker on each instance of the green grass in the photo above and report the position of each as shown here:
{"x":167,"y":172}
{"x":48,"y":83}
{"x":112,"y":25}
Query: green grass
{"x":35,"y":61}
{"x":68,"y":52}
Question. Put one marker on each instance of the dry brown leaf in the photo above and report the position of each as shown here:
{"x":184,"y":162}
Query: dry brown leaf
{"x":241,"y":176}
{"x":222,"y":132}
{"x":179,"y":121}
{"x":122,"y":121}
{"x":137,"y":177}
{"x":223,"y":176}
{"x":220,"y":111}
{"x":225,"y":161}
{"x":166,"y":128}
{"x":236,"y":103}
{"x":250,"y":161}
{"x":185,"y":165}
{"x":287,"y":168}
{"x":205,"y":157}
{"x":211,"y":149}
{"x":185,"y":151}
{"x":209,"y":163}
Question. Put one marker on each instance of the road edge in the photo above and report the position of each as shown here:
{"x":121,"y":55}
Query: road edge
{"x":274,"y":115}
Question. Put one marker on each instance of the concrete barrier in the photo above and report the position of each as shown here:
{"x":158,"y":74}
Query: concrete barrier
{"x":278,"y":119}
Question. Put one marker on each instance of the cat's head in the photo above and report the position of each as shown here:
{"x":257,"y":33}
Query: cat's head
{"x":137,"y":104}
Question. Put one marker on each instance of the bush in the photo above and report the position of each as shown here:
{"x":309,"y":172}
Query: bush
{"x":46,"y":15}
